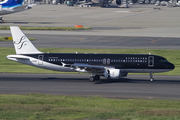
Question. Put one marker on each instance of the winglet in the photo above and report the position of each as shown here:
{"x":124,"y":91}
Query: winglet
{"x":21,"y":43}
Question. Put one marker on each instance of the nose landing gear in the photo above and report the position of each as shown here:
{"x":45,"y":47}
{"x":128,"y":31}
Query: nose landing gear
{"x":151,"y":77}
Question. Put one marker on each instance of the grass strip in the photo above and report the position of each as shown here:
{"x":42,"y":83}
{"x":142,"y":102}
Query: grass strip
{"x":7,"y":66}
{"x":46,"y":28}
{"x":39,"y":106}
{"x":8,"y":38}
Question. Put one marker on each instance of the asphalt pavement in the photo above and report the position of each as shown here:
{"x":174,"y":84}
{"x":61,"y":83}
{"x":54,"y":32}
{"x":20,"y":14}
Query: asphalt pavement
{"x":102,"y":42}
{"x":133,"y":86}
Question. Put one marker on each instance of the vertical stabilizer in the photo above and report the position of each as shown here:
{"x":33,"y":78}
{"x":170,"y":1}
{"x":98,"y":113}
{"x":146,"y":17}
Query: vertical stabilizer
{"x":21,"y":43}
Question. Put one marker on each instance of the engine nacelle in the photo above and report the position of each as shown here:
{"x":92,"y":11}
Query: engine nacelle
{"x":114,"y":74}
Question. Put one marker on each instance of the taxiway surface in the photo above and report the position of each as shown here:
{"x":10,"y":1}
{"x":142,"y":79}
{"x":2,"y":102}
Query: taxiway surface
{"x":105,"y":42}
{"x":138,"y":20}
{"x":140,"y":26}
{"x":134,"y":86}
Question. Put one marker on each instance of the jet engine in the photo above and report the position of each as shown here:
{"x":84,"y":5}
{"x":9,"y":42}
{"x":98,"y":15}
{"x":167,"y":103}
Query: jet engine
{"x":114,"y":74}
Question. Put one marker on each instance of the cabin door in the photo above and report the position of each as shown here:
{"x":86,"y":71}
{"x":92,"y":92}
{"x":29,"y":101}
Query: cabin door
{"x":40,"y":59}
{"x":151,"y":61}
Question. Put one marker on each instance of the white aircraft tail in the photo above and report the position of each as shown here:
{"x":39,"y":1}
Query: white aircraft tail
{"x":21,"y":43}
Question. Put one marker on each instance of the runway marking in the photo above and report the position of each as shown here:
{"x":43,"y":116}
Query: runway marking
{"x":12,"y":87}
{"x":153,"y":41}
{"x":122,"y":11}
{"x":138,"y":11}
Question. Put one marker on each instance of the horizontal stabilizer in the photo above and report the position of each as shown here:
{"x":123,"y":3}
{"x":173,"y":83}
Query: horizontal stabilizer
{"x":17,"y":56}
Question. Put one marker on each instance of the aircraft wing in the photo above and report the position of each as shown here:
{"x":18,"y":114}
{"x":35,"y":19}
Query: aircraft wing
{"x":31,"y":5}
{"x":15,"y":9}
{"x":88,"y":68}
{"x":19,"y":7}
{"x":24,"y":7}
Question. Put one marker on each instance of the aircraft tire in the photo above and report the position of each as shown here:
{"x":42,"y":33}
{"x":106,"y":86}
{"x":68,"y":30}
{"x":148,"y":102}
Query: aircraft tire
{"x":91,"y":78}
{"x":151,"y":79}
{"x":96,"y":77}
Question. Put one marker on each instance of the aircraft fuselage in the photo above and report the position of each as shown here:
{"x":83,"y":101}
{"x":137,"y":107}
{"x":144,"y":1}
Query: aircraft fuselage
{"x":126,"y":62}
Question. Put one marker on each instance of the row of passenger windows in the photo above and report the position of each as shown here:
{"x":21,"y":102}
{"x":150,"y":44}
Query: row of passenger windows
{"x":95,"y":60}
{"x":136,"y":58}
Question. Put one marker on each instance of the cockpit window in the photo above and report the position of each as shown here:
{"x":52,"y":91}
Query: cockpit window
{"x":163,"y":60}
{"x":1,"y":0}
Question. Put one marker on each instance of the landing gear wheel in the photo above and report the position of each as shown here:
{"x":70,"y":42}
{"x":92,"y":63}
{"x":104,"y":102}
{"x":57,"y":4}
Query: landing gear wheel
{"x":151,"y":76}
{"x":91,"y":78}
{"x":96,"y":77}
{"x":151,"y":79}
{"x":103,"y":5}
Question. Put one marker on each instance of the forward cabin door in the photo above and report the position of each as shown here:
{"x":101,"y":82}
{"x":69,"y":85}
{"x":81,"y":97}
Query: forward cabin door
{"x":151,"y":61}
{"x":40,"y":59}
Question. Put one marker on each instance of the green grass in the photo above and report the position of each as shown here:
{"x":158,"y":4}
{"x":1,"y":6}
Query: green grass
{"x":50,"y":107}
{"x":8,"y":66}
{"x":8,"y":38}
{"x":46,"y":28}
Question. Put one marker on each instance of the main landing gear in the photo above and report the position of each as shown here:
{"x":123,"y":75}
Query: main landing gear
{"x":96,"y":77}
{"x":1,"y":20}
{"x":151,"y":77}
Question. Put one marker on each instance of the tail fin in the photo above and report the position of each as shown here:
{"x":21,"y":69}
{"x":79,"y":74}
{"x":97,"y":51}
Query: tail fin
{"x":11,"y":3}
{"x":21,"y":43}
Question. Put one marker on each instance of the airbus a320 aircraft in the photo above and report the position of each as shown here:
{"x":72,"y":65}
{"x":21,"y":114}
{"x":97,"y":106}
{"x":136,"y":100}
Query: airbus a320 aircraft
{"x":12,"y":6}
{"x":111,"y":66}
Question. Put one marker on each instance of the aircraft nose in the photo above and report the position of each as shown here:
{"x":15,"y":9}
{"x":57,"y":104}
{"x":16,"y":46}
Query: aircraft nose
{"x":171,"y":66}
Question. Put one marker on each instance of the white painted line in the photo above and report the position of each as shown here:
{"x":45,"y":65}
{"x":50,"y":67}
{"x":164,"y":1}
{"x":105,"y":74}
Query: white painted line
{"x":122,"y":11}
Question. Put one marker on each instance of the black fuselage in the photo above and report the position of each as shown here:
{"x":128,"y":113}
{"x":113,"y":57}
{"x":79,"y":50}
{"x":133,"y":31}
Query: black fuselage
{"x":119,"y":61}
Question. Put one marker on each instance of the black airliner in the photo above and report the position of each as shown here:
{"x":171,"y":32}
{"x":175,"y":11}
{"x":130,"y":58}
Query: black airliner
{"x":111,"y":66}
